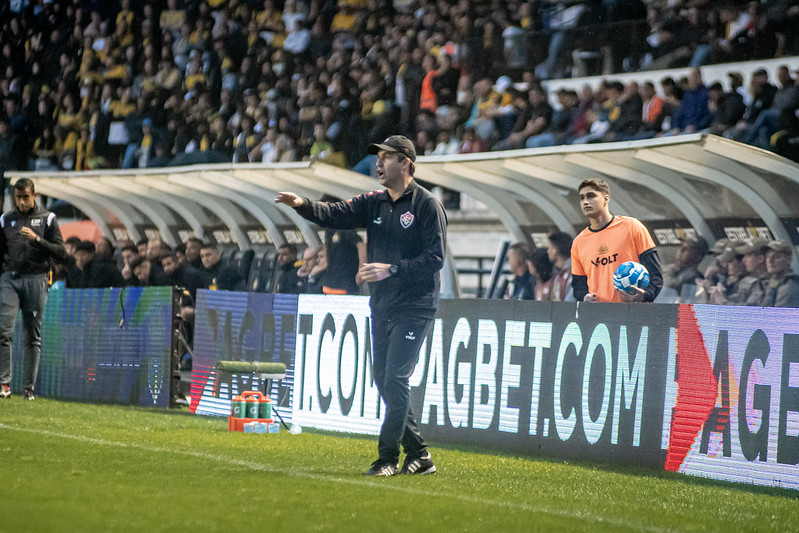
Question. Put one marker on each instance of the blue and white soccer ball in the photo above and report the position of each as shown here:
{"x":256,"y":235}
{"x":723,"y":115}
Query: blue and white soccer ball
{"x":629,"y":275}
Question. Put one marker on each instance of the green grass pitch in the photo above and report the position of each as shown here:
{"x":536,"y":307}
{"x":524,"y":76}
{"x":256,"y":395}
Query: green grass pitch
{"x":72,"y":467}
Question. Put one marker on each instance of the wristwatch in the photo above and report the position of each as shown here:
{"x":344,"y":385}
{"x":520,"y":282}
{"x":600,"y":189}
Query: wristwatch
{"x":393,"y":269}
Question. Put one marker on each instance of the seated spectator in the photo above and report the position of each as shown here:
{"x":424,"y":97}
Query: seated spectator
{"x":65,"y":143}
{"x":782,"y":287}
{"x":754,"y":261}
{"x":183,"y":275}
{"x":558,"y":130}
{"x":287,"y":281}
{"x":344,"y":253}
{"x":44,"y":150}
{"x":445,"y":82}
{"x":193,"y":248}
{"x":156,"y":248}
{"x":104,"y":249}
{"x":172,"y":18}
{"x":309,"y":259}
{"x":727,"y":288}
{"x":534,"y":119}
{"x":625,"y":111}
{"x":540,"y":266}
{"x":717,"y":270}
{"x":298,"y":39}
{"x":521,"y":286}
{"x":484,"y":110}
{"x":318,"y":274}
{"x":471,"y":142}
{"x":666,"y":48}
{"x":680,"y":276}
{"x":427,"y":98}
{"x":145,"y":275}
{"x":753,"y":264}
{"x":559,"y":253}
{"x":71,"y":244}
{"x":767,"y":123}
{"x":218,"y":275}
{"x":786,"y":141}
{"x":597,"y":127}
{"x":448,"y":144}
{"x":727,"y":108}
{"x":694,"y":114}
{"x":89,"y":272}
{"x":738,"y":41}
{"x":672,"y":97}
{"x":129,"y":253}
{"x":653,"y":111}
{"x":762,"y":94}
{"x":507,"y":111}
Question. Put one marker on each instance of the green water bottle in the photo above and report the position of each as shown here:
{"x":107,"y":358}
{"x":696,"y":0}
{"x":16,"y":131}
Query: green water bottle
{"x":238,"y":407}
{"x":265,"y":408}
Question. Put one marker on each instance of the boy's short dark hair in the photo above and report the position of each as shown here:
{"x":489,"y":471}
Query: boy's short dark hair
{"x":595,"y":183}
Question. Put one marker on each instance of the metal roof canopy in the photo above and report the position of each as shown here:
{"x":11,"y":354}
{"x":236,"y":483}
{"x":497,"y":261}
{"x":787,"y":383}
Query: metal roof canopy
{"x":670,"y":170}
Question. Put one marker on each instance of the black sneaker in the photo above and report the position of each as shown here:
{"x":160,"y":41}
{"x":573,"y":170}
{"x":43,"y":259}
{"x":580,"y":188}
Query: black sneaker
{"x":28,"y":394}
{"x":418,"y":465}
{"x":5,"y":391}
{"x":383,"y":468}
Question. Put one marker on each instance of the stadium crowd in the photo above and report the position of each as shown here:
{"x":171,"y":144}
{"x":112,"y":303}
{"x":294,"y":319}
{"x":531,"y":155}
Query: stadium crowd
{"x":105,"y":84}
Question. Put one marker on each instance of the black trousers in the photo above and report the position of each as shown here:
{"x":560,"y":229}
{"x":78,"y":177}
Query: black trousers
{"x":26,"y":293}
{"x":397,"y":341}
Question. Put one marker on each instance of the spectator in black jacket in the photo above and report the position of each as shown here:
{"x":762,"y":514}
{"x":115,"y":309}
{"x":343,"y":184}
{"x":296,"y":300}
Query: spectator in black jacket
{"x":183,"y":274}
{"x":91,"y":271}
{"x":193,"y":248}
{"x":145,"y":275}
{"x":218,"y":275}
{"x":762,"y":97}
{"x":287,"y":280}
{"x":727,"y":108}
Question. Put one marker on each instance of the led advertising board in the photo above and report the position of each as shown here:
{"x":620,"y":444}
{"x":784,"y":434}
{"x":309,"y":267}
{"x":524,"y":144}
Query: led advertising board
{"x":241,"y":326}
{"x":104,"y":345}
{"x":704,"y":390}
{"x":710,"y":391}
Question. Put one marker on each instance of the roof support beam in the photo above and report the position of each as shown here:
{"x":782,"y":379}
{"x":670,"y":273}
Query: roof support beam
{"x":633,"y":175}
{"x":761,"y":207}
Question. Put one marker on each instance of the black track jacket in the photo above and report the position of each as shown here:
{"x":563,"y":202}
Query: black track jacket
{"x":410,"y":233}
{"x":23,"y":255}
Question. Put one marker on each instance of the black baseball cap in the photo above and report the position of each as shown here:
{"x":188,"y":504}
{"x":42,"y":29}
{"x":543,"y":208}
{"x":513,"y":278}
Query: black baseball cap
{"x":395,"y":143}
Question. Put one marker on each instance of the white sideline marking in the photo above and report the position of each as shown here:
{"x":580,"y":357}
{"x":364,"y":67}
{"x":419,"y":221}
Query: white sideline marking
{"x":360,"y":482}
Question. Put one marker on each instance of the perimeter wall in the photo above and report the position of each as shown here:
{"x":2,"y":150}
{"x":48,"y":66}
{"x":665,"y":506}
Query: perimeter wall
{"x":710,"y":391}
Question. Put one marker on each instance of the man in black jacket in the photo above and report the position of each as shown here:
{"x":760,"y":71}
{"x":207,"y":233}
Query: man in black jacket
{"x":218,"y":275}
{"x":286,"y":279}
{"x":183,"y":274}
{"x":91,"y":272}
{"x":29,"y":241}
{"x":406,"y":230}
